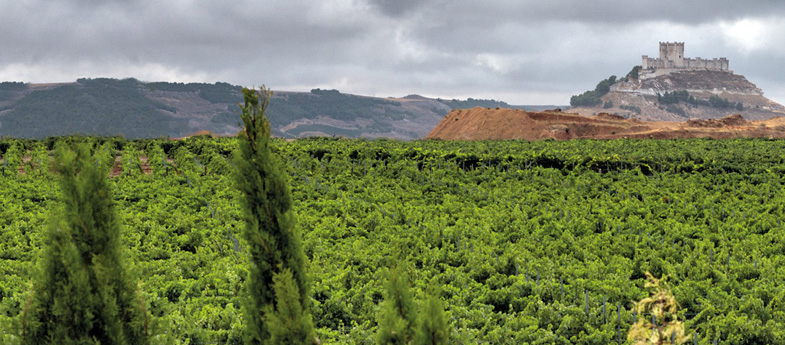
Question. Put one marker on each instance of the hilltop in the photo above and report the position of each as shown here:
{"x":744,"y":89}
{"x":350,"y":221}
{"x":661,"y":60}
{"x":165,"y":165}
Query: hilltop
{"x":506,"y":124}
{"x":137,"y":109}
{"x":676,"y":88}
{"x":684,"y":95}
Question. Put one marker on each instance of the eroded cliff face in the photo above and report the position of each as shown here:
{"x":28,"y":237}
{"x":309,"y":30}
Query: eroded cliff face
{"x":506,"y":124}
{"x":692,"y":81}
{"x":638,"y":98}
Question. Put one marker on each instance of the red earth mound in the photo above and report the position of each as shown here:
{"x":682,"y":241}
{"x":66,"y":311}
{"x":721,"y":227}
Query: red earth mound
{"x":501,"y":124}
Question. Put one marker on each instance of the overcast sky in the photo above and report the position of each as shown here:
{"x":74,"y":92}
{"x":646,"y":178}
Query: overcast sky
{"x":522,"y":52}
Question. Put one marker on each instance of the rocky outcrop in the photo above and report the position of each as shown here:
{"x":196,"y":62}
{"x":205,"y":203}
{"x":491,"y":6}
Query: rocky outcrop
{"x":638,"y":98}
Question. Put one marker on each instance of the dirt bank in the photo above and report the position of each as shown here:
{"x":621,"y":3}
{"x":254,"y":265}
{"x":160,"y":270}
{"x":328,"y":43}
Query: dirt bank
{"x":501,"y":124}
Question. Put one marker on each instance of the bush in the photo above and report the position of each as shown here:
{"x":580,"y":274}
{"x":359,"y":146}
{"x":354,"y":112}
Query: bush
{"x":719,"y":102}
{"x":592,"y":98}
{"x":674,"y":97}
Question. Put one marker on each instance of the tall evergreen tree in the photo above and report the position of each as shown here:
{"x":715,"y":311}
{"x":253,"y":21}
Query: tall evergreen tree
{"x":398,"y":315}
{"x":82,"y":293}
{"x":432,"y":328}
{"x":273,"y":240}
{"x":288,"y":323}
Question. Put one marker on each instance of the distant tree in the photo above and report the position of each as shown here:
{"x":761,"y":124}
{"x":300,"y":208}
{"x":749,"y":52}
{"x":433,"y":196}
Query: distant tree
{"x":588,"y":99}
{"x":593,"y":97}
{"x":608,"y":105}
{"x":273,"y":239}
{"x":674,"y":97}
{"x":719,"y":102}
{"x":603,"y":87}
{"x":634,"y":73}
{"x":739,"y":106}
{"x":81,"y":292}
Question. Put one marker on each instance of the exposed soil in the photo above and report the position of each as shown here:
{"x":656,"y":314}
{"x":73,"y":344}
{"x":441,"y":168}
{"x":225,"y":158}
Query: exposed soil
{"x":117,"y":168}
{"x":501,"y":124}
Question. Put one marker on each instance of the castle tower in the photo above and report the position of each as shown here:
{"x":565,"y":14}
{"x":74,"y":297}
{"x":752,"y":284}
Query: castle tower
{"x":672,"y":54}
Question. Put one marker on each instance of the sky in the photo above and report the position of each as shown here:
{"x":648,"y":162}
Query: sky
{"x":521,"y":52}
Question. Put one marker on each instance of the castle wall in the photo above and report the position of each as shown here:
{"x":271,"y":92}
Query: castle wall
{"x":672,"y":57}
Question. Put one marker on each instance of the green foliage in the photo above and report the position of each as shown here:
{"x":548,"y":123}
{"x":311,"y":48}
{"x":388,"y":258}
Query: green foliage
{"x":273,"y":239}
{"x":12,"y":159}
{"x":292,"y":106}
{"x":12,"y":86}
{"x":633,"y":74}
{"x":90,"y":106}
{"x":593,"y":97}
{"x":10,"y":89}
{"x":719,"y":102}
{"x":214,"y":93}
{"x":502,"y":225}
{"x":472,"y":103}
{"x":673,"y":97}
{"x":130,"y":161}
{"x":432,"y":327}
{"x":288,"y":322}
{"x":397,"y":320}
{"x":586,"y":99}
{"x":607,"y":105}
{"x":82,"y":292}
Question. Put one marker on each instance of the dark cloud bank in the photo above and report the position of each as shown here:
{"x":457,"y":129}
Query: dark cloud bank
{"x":524,"y":52}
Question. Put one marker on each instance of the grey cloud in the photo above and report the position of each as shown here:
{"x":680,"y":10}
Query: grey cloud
{"x":432,"y":47}
{"x":596,"y":11}
{"x":397,"y":8}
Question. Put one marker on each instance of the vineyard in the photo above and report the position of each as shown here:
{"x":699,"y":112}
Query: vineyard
{"x":530,"y":242}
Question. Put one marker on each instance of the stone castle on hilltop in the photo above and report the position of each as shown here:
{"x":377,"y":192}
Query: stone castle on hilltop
{"x":672,"y":59}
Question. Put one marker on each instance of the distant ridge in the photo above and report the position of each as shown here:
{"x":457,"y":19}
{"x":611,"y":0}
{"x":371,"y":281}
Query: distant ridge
{"x":137,"y":109}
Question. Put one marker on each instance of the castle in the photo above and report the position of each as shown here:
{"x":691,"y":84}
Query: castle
{"x":672,"y":58}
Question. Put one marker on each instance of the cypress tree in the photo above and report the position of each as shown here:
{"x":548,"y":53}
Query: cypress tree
{"x":432,"y":326}
{"x":272,"y":239}
{"x":398,"y":316}
{"x":82,"y":293}
{"x":288,"y":323}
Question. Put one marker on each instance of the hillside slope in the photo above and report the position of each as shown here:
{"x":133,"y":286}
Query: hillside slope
{"x":710,"y":95}
{"x":507,"y":124}
{"x":136,"y":109}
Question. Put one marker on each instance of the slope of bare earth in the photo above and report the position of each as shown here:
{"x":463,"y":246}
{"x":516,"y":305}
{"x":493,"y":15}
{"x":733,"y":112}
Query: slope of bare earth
{"x":505,"y":124}
{"x":642,"y":94}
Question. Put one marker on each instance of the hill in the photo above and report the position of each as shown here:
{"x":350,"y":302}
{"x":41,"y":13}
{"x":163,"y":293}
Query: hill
{"x":679,"y":95}
{"x":136,"y":109}
{"x":505,"y":124}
